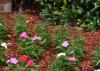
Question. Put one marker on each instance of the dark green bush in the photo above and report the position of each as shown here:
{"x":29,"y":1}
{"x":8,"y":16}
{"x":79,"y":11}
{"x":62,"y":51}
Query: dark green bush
{"x":85,"y":13}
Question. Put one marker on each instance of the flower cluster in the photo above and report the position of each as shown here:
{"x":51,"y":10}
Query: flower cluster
{"x":25,"y":35}
{"x":70,"y":58}
{"x":25,"y":58}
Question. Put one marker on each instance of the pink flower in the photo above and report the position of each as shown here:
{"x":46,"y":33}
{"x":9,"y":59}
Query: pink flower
{"x":65,"y":44}
{"x":24,"y":57}
{"x":12,"y":60}
{"x":71,"y":58}
{"x":36,"y":38}
{"x":31,"y":63}
{"x":24,"y":35}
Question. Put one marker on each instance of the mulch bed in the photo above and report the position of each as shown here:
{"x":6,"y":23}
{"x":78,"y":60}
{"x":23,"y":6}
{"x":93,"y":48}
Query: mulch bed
{"x":92,"y":40}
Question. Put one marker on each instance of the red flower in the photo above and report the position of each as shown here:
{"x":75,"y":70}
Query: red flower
{"x":24,"y":57}
{"x":31,"y":63}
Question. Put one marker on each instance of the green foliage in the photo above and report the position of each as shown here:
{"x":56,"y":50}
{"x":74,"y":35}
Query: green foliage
{"x":96,"y":58}
{"x":62,"y":64}
{"x":85,"y":13}
{"x":2,"y":60}
{"x":3,"y":29}
{"x":29,"y":49}
{"x":21,"y":25}
{"x":34,"y":48}
{"x":42,"y":31}
{"x":61,"y":35}
{"x":55,"y":11}
{"x":75,"y":48}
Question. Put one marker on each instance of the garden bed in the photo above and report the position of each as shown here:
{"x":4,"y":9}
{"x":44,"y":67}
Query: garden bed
{"x":48,"y":43}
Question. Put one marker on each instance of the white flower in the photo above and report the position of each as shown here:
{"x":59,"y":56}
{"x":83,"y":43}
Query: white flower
{"x":4,"y":45}
{"x":97,"y":70}
{"x":27,"y":21}
{"x":61,"y":54}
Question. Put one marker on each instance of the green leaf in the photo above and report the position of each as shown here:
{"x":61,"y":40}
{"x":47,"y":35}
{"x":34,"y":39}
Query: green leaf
{"x":2,"y":58}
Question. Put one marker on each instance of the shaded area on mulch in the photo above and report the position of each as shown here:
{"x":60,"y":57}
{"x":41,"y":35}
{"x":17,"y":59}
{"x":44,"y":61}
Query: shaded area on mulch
{"x":92,"y":40}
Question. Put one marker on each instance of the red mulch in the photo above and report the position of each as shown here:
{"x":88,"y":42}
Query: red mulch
{"x":92,"y":40}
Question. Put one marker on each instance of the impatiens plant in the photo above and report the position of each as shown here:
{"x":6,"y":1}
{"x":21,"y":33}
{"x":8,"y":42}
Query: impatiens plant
{"x":33,"y":46}
{"x":28,"y":48}
{"x":64,"y":63}
{"x":71,"y":54}
{"x":13,"y":64}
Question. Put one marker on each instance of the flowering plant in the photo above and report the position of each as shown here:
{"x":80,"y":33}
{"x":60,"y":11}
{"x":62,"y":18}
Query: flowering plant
{"x":15,"y":64}
{"x":71,"y":54}
{"x":64,"y":63}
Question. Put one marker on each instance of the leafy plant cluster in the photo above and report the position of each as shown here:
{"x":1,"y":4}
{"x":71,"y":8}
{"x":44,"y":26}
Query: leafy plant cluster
{"x":96,"y":58}
{"x":34,"y":48}
{"x":85,"y":13}
{"x":21,"y":25}
{"x":3,"y":29}
{"x":75,"y":49}
{"x":3,"y":37}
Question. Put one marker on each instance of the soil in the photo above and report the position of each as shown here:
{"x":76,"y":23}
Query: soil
{"x":92,"y":40}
